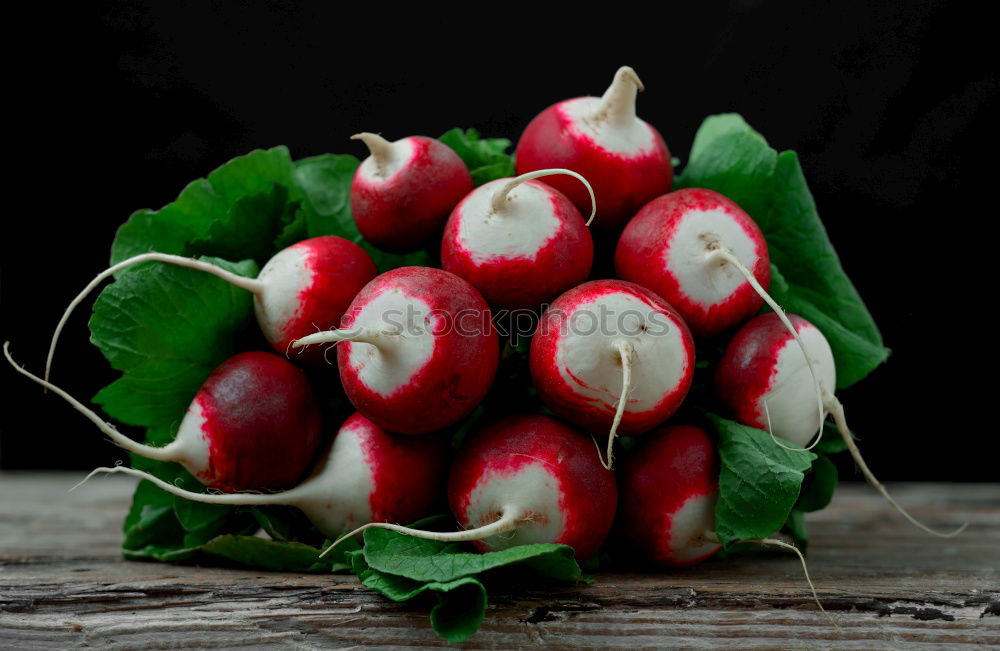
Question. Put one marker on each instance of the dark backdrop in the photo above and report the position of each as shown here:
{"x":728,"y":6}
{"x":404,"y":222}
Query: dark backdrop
{"x":890,"y":105}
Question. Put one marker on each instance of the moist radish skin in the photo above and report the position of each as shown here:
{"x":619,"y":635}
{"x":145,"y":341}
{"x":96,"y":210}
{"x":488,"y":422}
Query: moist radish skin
{"x":518,"y":241}
{"x":303,"y":288}
{"x":527,"y":479}
{"x":417,"y":349}
{"x":763,"y":381}
{"x":368,"y":475}
{"x":669,"y":486}
{"x":674,"y":246}
{"x":611,"y":355}
{"x":402,"y":194}
{"x":253,"y":425}
{"x":601,"y":138}
{"x":765,"y":384}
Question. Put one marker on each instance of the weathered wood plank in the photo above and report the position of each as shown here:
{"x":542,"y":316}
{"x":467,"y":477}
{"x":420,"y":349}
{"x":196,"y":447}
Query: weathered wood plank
{"x":64,"y":585}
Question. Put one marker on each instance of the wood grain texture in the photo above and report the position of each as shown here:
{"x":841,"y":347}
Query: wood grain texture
{"x":63,"y":584}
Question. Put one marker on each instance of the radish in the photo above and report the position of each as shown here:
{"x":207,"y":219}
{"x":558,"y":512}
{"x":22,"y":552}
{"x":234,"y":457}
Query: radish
{"x":762,"y":380}
{"x":612,"y":354}
{"x":601,"y":138}
{"x":368,"y":475}
{"x":402,"y":194}
{"x":707,"y":257}
{"x":668,"y":492}
{"x":668,"y":495}
{"x":253,"y":425}
{"x":526,"y":479}
{"x":519,"y":241}
{"x":303,"y":288}
{"x":418,"y":349}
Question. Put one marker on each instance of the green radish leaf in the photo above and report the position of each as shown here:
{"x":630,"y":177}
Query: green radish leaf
{"x":251,"y":551}
{"x":216,"y":203}
{"x":485,"y":158}
{"x":431,"y":560}
{"x":250,"y":229}
{"x":731,"y":158}
{"x":831,"y":442}
{"x":166,"y":328}
{"x":759,"y":482}
{"x":818,"y":486}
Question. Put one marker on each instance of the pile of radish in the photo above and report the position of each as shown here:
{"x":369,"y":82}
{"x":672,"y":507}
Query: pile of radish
{"x":608,"y":372}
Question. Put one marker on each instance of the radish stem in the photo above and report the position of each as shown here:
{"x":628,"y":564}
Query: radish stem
{"x":335,"y":336}
{"x":837,"y":410}
{"x":510,"y":518}
{"x":501,"y":197}
{"x":249,"y":284}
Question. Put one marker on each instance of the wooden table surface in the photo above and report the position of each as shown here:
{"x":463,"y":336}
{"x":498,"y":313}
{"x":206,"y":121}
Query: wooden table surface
{"x":63,"y":584}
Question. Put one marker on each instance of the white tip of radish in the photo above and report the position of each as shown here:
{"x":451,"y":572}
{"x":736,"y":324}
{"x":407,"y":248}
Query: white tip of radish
{"x":387,"y":158}
{"x":617,"y":105}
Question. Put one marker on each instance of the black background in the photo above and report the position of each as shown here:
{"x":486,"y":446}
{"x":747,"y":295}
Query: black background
{"x":891,"y":107}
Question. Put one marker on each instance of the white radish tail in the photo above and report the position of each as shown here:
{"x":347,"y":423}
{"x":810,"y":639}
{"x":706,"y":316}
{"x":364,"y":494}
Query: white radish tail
{"x":510,"y":518}
{"x":250,"y":284}
{"x":501,"y":197}
{"x":627,"y":351}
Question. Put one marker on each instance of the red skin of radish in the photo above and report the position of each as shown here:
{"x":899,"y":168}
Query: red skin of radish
{"x":562,"y":397}
{"x":262,"y":424}
{"x":673,"y":465}
{"x":649,"y":235}
{"x":462,"y":366}
{"x":524,"y":282}
{"x":622,"y":183}
{"x":405,"y":212}
{"x":748,"y":365}
{"x":407,"y":471}
{"x":588,"y":493}
{"x":338,"y":270}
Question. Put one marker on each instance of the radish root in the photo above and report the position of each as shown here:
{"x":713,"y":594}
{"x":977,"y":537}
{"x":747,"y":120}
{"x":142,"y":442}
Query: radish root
{"x":727,"y":254}
{"x":381,"y":149}
{"x":235,"y":499}
{"x":837,"y":410}
{"x":335,"y":336}
{"x":617,"y":105}
{"x":501,"y":197}
{"x":249,"y":284}
{"x":627,"y":351}
{"x":510,"y":518}
{"x":166,"y":453}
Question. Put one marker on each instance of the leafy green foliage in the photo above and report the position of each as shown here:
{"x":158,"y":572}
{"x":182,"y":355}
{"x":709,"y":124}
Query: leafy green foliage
{"x":402,"y":567}
{"x":731,"y":158}
{"x":166,"y":328}
{"x":485,"y":158}
{"x":759,"y":482}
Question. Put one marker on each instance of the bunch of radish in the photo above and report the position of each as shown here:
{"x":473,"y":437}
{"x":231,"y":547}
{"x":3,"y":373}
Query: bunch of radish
{"x":417,"y":350}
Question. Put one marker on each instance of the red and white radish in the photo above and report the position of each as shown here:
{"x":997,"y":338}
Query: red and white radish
{"x":518,"y":241}
{"x":685,"y":246}
{"x":601,"y":138}
{"x":368,"y":475}
{"x":253,"y":425}
{"x":402,"y":194}
{"x":705,"y":255}
{"x":669,"y":486}
{"x":418,"y":351}
{"x":303,"y":288}
{"x":612,"y":356}
{"x":527,"y":479}
{"x":764,"y":381}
